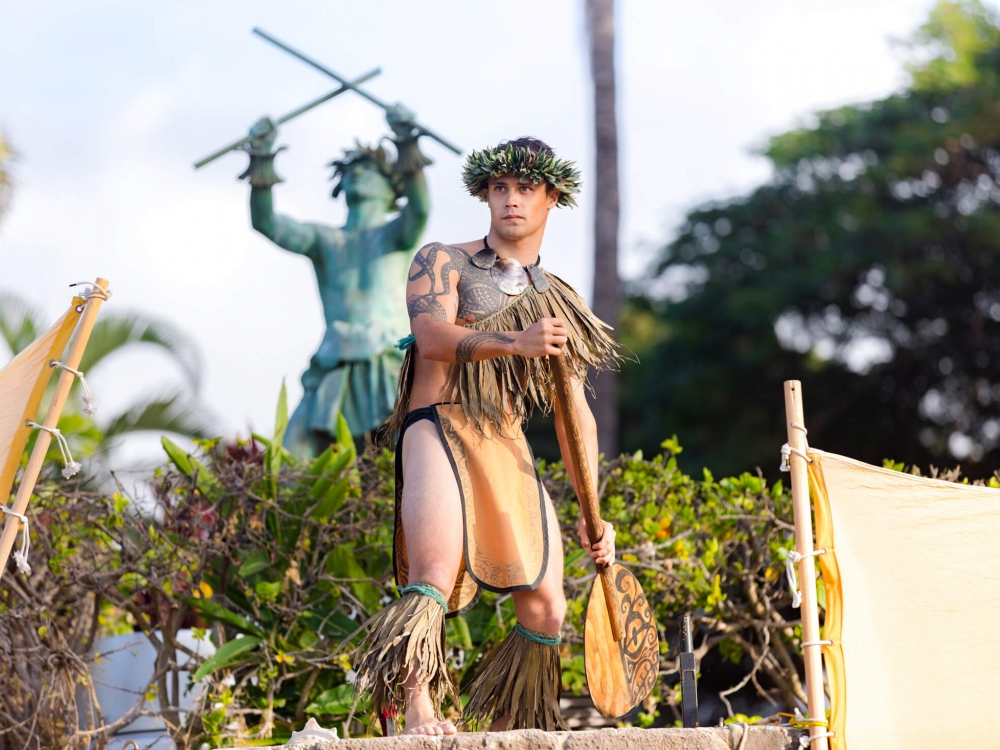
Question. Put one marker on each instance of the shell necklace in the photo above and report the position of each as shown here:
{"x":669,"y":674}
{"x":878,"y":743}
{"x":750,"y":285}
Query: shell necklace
{"x":507,"y":273}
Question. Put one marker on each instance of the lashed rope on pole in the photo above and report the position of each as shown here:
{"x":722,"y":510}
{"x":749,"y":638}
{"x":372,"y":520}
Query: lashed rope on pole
{"x":21,"y":555}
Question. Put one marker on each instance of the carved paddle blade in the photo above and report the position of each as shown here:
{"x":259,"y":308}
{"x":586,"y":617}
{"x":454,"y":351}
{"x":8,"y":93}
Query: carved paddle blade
{"x":621,"y":674}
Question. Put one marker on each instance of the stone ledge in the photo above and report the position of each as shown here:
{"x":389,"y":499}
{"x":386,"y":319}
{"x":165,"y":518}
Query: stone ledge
{"x":726,"y":738}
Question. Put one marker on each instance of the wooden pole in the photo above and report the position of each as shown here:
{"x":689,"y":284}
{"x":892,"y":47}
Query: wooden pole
{"x":586,"y":491}
{"x":811,"y":655}
{"x":83,"y":329}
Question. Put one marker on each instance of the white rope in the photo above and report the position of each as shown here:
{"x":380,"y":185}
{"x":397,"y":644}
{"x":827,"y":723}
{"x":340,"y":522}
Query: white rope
{"x":94,"y":291}
{"x":792,"y":575}
{"x":21,"y":555}
{"x":805,"y":740}
{"x":88,"y":398}
{"x":71,"y":466}
{"x":804,"y":644}
{"x":787,"y":450}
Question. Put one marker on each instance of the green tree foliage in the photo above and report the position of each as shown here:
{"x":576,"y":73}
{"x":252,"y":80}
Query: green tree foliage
{"x":868,"y":267}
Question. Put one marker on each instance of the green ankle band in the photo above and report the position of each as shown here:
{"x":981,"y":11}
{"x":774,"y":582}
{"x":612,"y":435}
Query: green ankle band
{"x":531,"y":635}
{"x":426,"y":590}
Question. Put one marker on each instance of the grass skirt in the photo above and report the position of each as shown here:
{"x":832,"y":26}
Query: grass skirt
{"x":520,"y":679}
{"x":407,"y":635}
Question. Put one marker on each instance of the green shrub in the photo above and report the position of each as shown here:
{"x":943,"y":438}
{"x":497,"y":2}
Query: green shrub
{"x":279,"y":563}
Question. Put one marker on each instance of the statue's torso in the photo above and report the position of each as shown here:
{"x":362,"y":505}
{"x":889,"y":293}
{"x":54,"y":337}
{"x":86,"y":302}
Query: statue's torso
{"x":363,"y":289}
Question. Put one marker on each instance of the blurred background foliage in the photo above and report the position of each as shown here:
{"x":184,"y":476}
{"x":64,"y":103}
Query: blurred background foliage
{"x":868,"y":267}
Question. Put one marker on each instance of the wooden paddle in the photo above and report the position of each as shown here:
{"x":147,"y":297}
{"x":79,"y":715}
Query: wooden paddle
{"x":621,"y":645}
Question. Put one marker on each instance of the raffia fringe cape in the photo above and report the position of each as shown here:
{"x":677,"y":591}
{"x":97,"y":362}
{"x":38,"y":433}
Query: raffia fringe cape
{"x":492,"y":391}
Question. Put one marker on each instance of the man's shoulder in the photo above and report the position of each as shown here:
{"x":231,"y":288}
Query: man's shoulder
{"x":457,"y":251}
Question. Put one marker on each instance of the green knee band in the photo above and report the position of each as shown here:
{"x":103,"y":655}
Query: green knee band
{"x":426,"y":590}
{"x":531,"y":635}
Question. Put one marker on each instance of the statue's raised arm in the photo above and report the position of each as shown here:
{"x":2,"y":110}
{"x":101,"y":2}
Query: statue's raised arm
{"x":409,"y":171}
{"x":284,"y":231}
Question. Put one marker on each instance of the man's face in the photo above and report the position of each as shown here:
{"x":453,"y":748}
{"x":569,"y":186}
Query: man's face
{"x":364,"y":181}
{"x":519,"y":209}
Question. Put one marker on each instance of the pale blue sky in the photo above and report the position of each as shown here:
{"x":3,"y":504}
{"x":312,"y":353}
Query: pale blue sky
{"x":109,"y":103}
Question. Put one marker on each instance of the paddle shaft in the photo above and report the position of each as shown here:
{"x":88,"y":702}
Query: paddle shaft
{"x":44,"y":439}
{"x":585,"y":489}
{"x":348,"y":84}
{"x":289,"y":116}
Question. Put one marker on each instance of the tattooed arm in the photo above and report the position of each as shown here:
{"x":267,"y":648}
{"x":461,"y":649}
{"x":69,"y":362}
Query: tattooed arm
{"x":432,"y":302}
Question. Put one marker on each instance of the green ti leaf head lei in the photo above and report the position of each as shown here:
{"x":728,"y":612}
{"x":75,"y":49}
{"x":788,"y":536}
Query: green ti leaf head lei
{"x":519,"y":160}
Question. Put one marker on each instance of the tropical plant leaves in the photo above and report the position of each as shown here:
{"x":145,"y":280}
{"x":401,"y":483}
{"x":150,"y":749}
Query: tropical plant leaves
{"x":113,"y":331}
{"x":20,"y":322}
{"x":170,"y":413}
{"x":227,"y":655}
{"x":219,"y":612}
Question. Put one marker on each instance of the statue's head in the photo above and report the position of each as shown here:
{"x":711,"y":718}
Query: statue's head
{"x":365,"y":174}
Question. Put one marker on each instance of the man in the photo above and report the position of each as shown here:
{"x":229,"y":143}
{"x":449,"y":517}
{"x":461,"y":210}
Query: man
{"x":361,"y":272}
{"x":471,"y":512}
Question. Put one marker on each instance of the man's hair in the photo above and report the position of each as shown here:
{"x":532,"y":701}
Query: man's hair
{"x":534,"y":145}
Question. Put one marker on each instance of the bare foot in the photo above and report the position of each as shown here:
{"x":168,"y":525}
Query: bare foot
{"x":435,"y":728}
{"x":421,"y":717}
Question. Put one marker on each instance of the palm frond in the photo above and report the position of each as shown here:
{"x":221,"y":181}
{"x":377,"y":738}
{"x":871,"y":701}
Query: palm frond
{"x":114,"y":331}
{"x":20,"y":322}
{"x":170,"y":413}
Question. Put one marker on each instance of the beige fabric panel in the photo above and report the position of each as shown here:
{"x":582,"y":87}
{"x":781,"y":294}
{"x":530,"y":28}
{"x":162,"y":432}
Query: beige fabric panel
{"x":919,"y":586}
{"x":22,"y":385}
{"x":505,"y":534}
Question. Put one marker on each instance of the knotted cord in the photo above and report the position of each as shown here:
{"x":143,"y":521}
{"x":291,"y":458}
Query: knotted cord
{"x":21,"y":555}
{"x":71,"y":466}
{"x":88,"y":398}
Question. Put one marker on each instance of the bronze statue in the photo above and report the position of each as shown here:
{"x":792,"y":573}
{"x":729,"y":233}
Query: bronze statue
{"x":361,"y":270}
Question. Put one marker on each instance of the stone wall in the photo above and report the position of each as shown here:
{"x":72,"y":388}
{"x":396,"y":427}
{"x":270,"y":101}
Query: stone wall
{"x":732,"y":737}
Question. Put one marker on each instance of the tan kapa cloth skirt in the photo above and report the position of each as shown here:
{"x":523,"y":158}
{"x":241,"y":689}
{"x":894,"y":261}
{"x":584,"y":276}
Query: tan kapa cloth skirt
{"x":503,"y":507}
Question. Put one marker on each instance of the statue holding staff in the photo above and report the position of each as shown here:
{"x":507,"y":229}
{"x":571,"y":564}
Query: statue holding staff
{"x":361,"y":271}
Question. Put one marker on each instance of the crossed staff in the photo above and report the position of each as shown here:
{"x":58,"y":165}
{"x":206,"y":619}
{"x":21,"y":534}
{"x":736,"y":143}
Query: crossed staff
{"x":345,"y":85}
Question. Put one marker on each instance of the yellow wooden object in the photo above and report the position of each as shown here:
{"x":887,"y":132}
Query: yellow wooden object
{"x":621,"y":673}
{"x":22,"y":383}
{"x":84,"y":328}
{"x":621,"y":646}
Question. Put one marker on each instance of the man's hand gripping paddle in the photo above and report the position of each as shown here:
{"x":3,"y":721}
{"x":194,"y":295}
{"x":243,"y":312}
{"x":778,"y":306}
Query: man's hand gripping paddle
{"x":621,"y":645}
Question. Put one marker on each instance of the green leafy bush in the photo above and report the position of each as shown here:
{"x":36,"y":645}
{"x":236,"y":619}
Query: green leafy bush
{"x":279,"y":563}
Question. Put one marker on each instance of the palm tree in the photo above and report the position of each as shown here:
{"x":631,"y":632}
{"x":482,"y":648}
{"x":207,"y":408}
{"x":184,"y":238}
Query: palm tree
{"x":176,"y":412}
{"x":607,"y":287}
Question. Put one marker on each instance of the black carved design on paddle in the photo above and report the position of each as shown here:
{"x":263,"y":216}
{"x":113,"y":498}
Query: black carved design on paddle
{"x":639,"y":648}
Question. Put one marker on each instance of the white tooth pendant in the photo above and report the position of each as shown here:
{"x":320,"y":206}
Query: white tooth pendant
{"x":509,"y":276}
